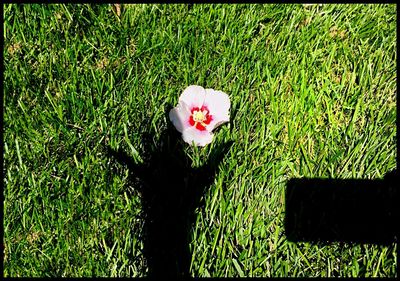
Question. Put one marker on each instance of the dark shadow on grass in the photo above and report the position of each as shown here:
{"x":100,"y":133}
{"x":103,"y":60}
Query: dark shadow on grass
{"x":170,"y":191}
{"x":351,"y":210}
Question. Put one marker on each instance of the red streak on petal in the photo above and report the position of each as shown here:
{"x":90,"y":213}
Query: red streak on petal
{"x":191,"y":121}
{"x":194,"y":109}
{"x":209,"y":118}
{"x":200,"y":127}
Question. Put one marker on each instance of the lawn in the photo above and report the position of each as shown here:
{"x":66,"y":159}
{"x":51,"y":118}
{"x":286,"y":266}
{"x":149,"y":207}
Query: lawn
{"x":313,"y":94}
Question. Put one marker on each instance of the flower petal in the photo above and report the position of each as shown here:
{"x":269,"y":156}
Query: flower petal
{"x":216,"y":123}
{"x":200,"y":138}
{"x":193,"y":96}
{"x":179,"y":116}
{"x":218,"y":103}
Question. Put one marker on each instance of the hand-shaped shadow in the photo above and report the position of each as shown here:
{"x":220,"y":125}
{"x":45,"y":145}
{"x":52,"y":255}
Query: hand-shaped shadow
{"x":170,"y":190}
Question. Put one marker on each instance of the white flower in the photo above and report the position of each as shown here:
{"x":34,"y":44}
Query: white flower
{"x":198,"y":112}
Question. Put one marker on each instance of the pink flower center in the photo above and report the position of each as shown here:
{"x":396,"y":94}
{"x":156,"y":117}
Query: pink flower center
{"x":200,"y":117}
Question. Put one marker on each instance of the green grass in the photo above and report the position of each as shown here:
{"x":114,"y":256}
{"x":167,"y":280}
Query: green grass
{"x":313,"y":93}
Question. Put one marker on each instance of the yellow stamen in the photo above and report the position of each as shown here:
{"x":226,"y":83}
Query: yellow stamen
{"x":199,"y":116}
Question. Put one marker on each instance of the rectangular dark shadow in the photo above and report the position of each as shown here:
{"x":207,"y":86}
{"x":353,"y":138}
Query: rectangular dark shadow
{"x":350,"y":210}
